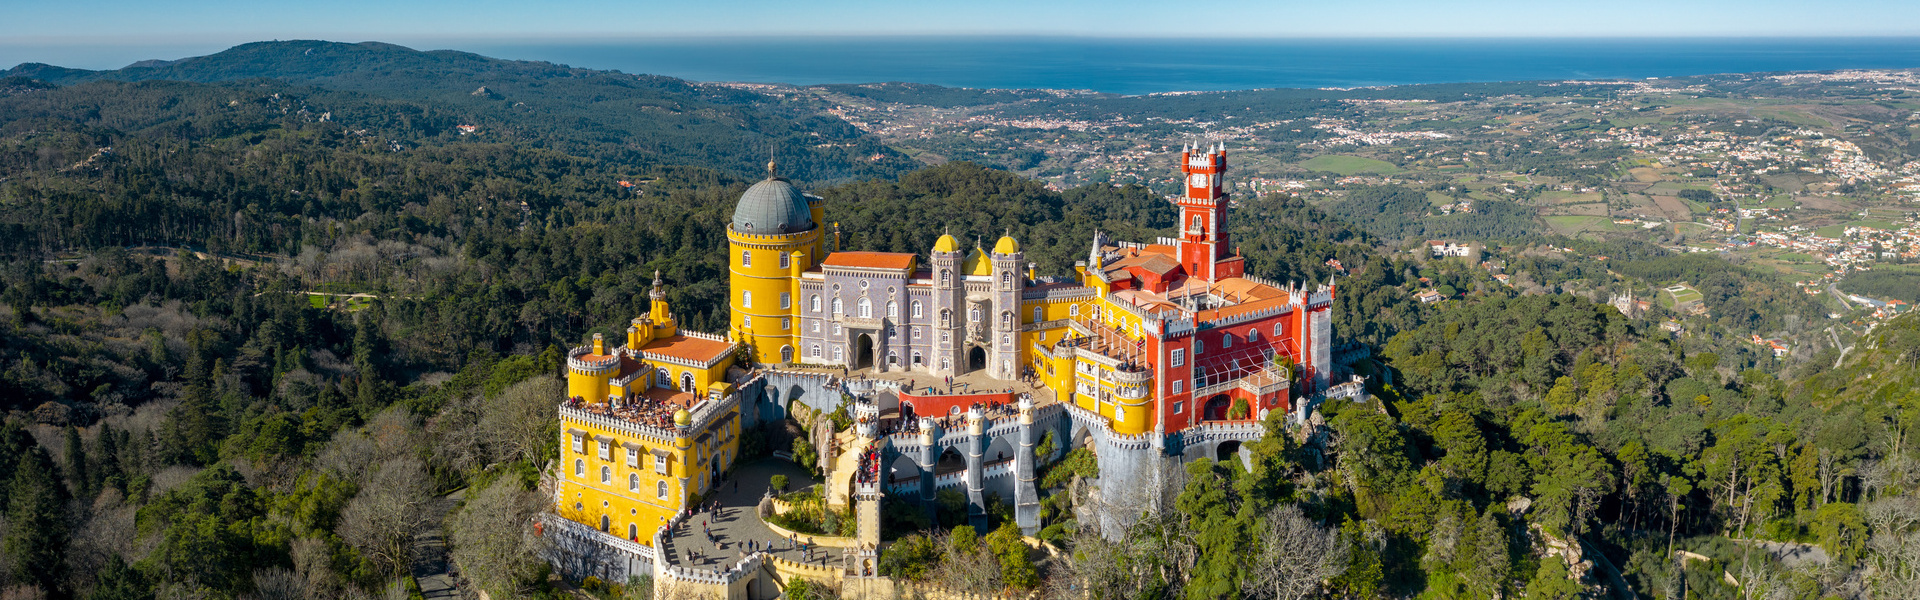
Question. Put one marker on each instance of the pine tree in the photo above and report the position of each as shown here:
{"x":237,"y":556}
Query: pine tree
{"x":36,"y":540}
{"x":77,"y":473}
{"x":117,"y":581}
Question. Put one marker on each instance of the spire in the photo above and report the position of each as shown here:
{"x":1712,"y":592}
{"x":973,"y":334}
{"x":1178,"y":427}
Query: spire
{"x":659,"y":287}
{"x":773,"y":169}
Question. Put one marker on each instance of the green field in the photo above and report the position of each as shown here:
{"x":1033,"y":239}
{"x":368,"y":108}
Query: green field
{"x":1348,"y":165}
{"x":1576,"y":224}
{"x":1686,"y":293}
{"x":1781,"y":202}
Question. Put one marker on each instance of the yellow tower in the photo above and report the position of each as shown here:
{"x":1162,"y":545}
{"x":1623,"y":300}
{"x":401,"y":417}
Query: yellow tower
{"x":775,"y":232}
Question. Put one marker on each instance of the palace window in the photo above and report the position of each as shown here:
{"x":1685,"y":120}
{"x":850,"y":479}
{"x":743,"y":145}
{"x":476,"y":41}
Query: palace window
{"x":746,"y":298}
{"x":1179,"y":357}
{"x":579,"y":468}
{"x":633,"y":530}
{"x":837,"y":307}
{"x":746,"y":321}
{"x":633,"y":482}
{"x":1177,"y":406}
{"x":605,"y":451}
{"x":786,"y":300}
{"x":1006,"y":279}
{"x":662,"y":378}
{"x":866,"y":308}
{"x":1038,"y":313}
{"x":839,"y":354}
{"x":946,"y":318}
{"x":786,"y":260}
{"x":660,"y":465}
{"x":633,"y":457}
{"x":815,"y":352}
{"x":606,"y":474}
{"x":973,"y":315}
{"x":1199,"y":223}
{"x":1179,"y":386}
{"x":1073,"y":310}
{"x":816,"y":326}
{"x":1253,"y":335}
{"x":746,"y":258}
{"x":786,"y":323}
{"x":893,"y":309}
{"x":916,"y":333}
{"x":1198,"y":346}
{"x":662,"y":487}
{"x":836,"y":328}
{"x":579,"y":446}
{"x":786,"y":354}
{"x":916,"y":309}
{"x":813,"y":303}
{"x":686,"y":382}
{"x":1277,"y":331}
{"x":1226,"y":340}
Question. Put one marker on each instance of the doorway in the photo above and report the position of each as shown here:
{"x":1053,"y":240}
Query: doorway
{"x":863,"y":352}
{"x":976,"y":359}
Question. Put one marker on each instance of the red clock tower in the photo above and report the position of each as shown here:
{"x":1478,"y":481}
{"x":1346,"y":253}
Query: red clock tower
{"x":1204,"y":249}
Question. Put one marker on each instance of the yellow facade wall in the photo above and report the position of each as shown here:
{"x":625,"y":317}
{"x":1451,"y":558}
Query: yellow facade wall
{"x":757,"y":282}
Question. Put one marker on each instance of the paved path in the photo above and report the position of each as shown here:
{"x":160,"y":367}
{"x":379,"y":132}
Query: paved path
{"x":431,"y":565}
{"x":736,"y":522}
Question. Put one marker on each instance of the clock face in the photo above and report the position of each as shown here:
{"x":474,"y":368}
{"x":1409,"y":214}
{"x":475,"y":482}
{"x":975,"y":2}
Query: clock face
{"x":1198,"y":180}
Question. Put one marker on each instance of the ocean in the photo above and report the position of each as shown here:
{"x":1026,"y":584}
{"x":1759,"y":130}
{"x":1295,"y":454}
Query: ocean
{"x":1141,"y":66}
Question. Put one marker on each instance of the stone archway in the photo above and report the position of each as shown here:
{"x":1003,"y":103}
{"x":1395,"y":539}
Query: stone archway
{"x":950,"y":462}
{"x":1216,"y":408}
{"x":1229,"y":449}
{"x":976,"y":359}
{"x":863,"y":352}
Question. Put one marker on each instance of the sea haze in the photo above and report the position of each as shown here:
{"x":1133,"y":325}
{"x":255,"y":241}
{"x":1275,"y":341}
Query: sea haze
{"x":1140,"y":66}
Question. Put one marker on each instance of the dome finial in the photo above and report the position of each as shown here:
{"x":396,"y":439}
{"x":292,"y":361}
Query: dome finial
{"x":659,"y":287}
{"x":773,"y":168}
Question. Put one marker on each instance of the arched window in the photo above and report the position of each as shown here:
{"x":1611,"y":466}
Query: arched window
{"x":837,"y":307}
{"x":813,"y":303}
{"x":746,"y":258}
{"x":786,"y":354}
{"x":1006,"y":320}
{"x":1038,"y":314}
{"x":866,"y":308}
{"x":579,"y":468}
{"x":633,"y":530}
{"x":973,"y":315}
{"x":786,"y":260}
{"x":1253,"y":335}
{"x":815,"y":351}
{"x":746,"y":298}
{"x":1226,"y":340}
{"x":605,"y":523}
{"x":606,"y":474}
{"x":893,"y":309}
{"x":662,"y":378}
{"x":946,"y":317}
{"x":662,"y":488}
{"x":916,"y":309}
{"x":945,"y":276}
{"x":686,"y":382}
{"x":633,"y":482}
{"x":1198,"y":347}
{"x":839,"y":354}
{"x":1006,"y":278}
{"x":1277,"y":331}
{"x":916,"y":358}
{"x":1073,"y":310}
{"x":786,"y":300}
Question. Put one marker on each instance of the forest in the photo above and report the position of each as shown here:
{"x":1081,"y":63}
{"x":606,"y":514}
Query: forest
{"x":258,"y":334}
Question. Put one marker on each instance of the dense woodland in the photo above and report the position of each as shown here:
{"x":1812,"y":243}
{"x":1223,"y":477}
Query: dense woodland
{"x":189,"y":414}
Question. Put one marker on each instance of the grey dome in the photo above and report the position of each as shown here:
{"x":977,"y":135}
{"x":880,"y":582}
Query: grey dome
{"x":772,"y":207}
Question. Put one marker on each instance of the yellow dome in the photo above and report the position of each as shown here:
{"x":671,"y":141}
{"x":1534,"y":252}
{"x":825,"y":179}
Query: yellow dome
{"x":946,"y":243}
{"x":682,"y":418}
{"x":977,"y":263}
{"x":1006,"y":245}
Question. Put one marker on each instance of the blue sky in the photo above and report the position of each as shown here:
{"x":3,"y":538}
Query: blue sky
{"x":109,"y":33}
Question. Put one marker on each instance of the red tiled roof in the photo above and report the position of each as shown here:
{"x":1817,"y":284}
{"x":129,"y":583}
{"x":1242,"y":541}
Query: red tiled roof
{"x":688,"y":348}
{"x":870,"y":260}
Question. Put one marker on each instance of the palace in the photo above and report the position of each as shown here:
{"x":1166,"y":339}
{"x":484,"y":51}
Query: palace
{"x":1151,"y":336}
{"x":1150,"y":353}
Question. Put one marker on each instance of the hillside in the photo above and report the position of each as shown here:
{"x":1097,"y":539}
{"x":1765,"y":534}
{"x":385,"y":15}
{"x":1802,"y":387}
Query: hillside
{"x":640,"y":121}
